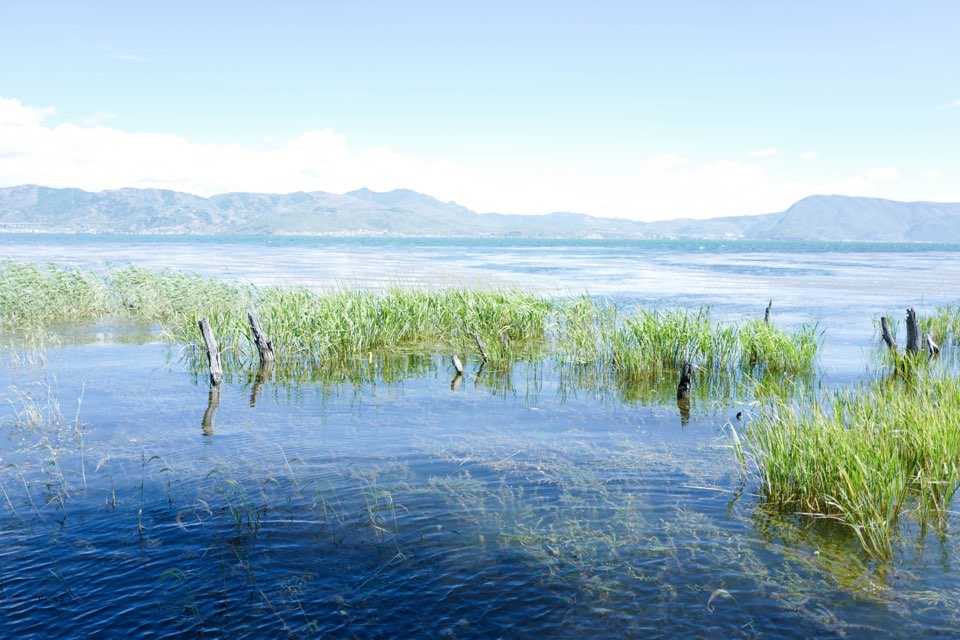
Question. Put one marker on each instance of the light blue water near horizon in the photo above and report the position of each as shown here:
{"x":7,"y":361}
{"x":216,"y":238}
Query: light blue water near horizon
{"x":410,"y":506}
{"x":842,"y":287}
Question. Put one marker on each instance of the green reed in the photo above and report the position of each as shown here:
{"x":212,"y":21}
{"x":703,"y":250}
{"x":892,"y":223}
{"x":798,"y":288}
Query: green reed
{"x":37,"y":295}
{"x":312,"y":329}
{"x":865,"y":456}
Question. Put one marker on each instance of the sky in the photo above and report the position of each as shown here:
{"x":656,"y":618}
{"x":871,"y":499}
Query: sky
{"x":640,"y":110}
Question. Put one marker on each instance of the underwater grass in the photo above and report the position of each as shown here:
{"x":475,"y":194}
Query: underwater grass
{"x":866,"y":456}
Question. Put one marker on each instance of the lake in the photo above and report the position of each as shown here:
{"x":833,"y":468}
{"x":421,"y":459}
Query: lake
{"x":529,"y":503}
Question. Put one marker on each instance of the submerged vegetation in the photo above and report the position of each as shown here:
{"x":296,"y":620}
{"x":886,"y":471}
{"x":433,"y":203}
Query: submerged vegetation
{"x":868,"y":457}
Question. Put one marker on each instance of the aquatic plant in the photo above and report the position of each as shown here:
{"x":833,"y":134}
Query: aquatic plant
{"x":34,"y":295}
{"x":864,"y":456}
{"x":772,"y":349}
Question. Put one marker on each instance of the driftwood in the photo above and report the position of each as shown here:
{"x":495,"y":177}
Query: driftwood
{"x":933,"y":349}
{"x":482,"y":347}
{"x":264,"y":346}
{"x":766,"y":314}
{"x":913,"y":332}
{"x":213,"y":352}
{"x":887,"y":334}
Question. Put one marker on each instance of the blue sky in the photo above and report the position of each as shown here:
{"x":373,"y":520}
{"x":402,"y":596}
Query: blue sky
{"x":632,"y":109}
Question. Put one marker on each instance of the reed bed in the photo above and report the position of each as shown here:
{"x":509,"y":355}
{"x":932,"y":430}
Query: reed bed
{"x":867,"y":457}
{"x":34,"y":295}
{"x":311,"y":329}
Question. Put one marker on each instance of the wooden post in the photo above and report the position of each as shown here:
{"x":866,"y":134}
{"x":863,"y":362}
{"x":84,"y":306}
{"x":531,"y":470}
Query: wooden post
{"x":482,"y":347}
{"x":683,"y":388}
{"x":213,"y":352}
{"x":264,"y":346}
{"x":504,"y":338}
{"x":766,"y":314}
{"x":933,"y":349}
{"x":887,"y":334}
{"x":913,"y":332}
{"x":457,"y":364}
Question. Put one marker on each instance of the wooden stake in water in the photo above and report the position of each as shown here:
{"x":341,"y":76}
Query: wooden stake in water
{"x":913,"y":332}
{"x":264,"y":346}
{"x":213,"y":352}
{"x":887,"y":334}
{"x":683,"y":388}
{"x":766,"y":314}
{"x":482,"y":347}
{"x":457,"y":364}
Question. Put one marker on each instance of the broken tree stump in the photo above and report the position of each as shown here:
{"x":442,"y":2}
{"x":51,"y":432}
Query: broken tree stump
{"x":887,"y":334}
{"x":933,"y":349}
{"x":482,"y":347}
{"x":264,"y":345}
{"x":766,"y":314}
{"x":683,"y":388}
{"x":913,"y":332}
{"x":457,"y":364}
{"x":213,"y":352}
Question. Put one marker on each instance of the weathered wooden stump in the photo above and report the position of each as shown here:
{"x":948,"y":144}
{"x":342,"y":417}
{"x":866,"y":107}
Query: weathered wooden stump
{"x":933,"y":349}
{"x":683,"y":388}
{"x":482,"y":347}
{"x":264,"y":345}
{"x":887,"y":334}
{"x":913,"y":332}
{"x":457,"y":364}
{"x":766,"y":314}
{"x":213,"y":352}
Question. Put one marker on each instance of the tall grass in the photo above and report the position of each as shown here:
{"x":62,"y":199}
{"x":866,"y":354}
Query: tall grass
{"x":36,"y":295}
{"x":311,"y":329}
{"x":865,"y":457}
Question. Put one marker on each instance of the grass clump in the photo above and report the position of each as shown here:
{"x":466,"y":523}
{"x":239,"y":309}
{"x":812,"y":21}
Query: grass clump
{"x":865,"y":457}
{"x":34,"y":296}
{"x":769,"y":347}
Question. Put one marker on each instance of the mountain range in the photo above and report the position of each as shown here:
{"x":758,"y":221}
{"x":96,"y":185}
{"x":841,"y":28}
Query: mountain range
{"x":408,"y":213}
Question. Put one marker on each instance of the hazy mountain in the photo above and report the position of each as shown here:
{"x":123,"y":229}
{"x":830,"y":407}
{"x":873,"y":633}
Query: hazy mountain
{"x":404,"y":212}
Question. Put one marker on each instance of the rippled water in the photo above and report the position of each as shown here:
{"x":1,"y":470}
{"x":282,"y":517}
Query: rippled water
{"x":514,"y":506}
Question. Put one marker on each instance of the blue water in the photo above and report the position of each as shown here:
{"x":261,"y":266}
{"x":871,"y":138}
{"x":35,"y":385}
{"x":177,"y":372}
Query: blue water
{"x":515,"y":506}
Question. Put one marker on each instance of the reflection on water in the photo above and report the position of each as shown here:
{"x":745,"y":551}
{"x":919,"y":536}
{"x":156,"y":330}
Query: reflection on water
{"x":389,"y":497}
{"x":524,"y":501}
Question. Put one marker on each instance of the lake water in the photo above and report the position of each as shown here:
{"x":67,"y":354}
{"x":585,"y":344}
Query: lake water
{"x":504,"y":506}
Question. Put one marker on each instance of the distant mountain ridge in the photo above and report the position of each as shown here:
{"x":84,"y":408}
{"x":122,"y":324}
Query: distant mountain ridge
{"x":407,"y":213}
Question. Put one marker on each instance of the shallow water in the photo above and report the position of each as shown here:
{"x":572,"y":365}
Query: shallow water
{"x":497,"y":507}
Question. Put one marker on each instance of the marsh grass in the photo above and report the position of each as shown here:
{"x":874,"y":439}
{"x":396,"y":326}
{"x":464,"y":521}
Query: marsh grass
{"x":867,"y":457}
{"x":345,"y":334}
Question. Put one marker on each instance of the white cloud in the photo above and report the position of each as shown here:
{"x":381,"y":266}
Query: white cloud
{"x":98,"y":117}
{"x":931,"y":173}
{"x":93,"y":156}
{"x":13,"y":112}
{"x":809,"y":155}
{"x":762,"y":153}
